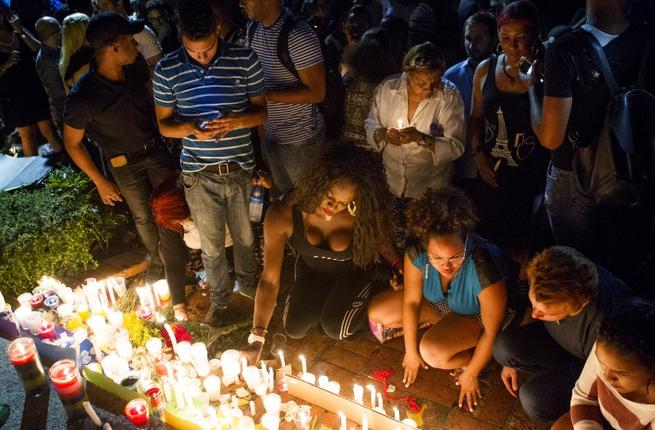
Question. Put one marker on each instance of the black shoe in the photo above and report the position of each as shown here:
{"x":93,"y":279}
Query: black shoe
{"x":248,"y":290}
{"x":217,"y":315}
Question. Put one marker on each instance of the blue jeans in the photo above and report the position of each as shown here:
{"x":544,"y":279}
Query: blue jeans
{"x":288,"y":161}
{"x":573,"y":215}
{"x":550,"y":371}
{"x":136,"y":182}
{"x":215,"y":200}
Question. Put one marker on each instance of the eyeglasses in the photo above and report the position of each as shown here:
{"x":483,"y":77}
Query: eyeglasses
{"x":452,"y":261}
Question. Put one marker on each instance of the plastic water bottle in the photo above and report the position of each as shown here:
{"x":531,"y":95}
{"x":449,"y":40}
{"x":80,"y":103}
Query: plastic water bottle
{"x":256,"y":205}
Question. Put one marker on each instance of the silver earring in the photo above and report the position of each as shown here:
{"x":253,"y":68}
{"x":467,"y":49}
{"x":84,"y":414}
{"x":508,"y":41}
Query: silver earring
{"x":352,"y":208}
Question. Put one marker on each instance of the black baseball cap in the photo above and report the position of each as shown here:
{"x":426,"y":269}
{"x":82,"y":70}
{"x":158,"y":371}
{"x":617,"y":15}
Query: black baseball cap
{"x":105,"y":27}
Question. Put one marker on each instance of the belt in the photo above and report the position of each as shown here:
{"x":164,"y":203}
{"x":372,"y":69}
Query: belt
{"x":134,"y":156}
{"x":223,"y":169}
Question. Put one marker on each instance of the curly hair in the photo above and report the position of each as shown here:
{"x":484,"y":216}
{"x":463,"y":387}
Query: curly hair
{"x":195,"y":19}
{"x":630,"y":329}
{"x":364,"y":169}
{"x":562,"y":274}
{"x":441,"y":212}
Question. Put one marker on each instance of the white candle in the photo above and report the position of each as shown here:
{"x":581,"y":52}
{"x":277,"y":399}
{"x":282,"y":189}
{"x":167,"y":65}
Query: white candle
{"x":380,"y":402}
{"x":358,"y":393}
{"x":270,"y":421}
{"x":396,"y":414}
{"x":246,"y":423}
{"x":303,"y":363}
{"x":410,"y":422}
{"x":65,"y":310}
{"x":272,"y":403}
{"x":183,"y":351}
{"x":282,"y":362}
{"x":308,"y":377}
{"x":230,"y":365}
{"x":109,"y":282}
{"x":323,"y":382}
{"x":171,"y":336}
{"x":334,"y":387}
{"x":371,"y":388}
{"x":271,"y":379}
{"x":212,"y":385}
{"x":252,"y":376}
{"x":145,"y":296}
{"x":342,"y":419}
{"x":161,"y":287}
{"x":153,"y":346}
{"x":124,"y":348}
{"x":364,"y":421}
{"x":155,"y":296}
{"x":253,"y":408}
{"x":115,"y":318}
{"x":199,"y":358}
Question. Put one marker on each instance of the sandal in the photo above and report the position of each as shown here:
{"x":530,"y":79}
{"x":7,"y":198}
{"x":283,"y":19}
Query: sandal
{"x":180,"y":312}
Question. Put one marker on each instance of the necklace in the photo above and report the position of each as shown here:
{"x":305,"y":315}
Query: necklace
{"x":511,"y":78}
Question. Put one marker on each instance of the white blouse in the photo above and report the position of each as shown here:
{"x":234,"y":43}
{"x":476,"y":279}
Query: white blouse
{"x":412,"y":169}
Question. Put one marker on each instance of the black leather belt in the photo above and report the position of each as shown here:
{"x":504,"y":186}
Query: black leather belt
{"x":134,"y":156}
{"x":223,"y":169}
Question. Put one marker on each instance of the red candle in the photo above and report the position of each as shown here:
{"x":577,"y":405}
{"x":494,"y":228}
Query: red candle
{"x":37,"y":301}
{"x":22,"y":354}
{"x":69,"y":386}
{"x":47,"y":331}
{"x":137,"y":412}
{"x":156,"y":397}
{"x":160,"y":367}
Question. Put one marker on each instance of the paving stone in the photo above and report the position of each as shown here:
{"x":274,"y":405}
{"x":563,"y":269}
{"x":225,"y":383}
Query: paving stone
{"x":460,"y":421}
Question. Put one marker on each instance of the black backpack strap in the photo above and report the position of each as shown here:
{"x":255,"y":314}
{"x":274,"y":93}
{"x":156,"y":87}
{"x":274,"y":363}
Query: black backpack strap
{"x":283,"y":53}
{"x":250,"y":31}
{"x":603,"y":63}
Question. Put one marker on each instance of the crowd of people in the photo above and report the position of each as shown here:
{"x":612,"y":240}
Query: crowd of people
{"x":423,"y":165}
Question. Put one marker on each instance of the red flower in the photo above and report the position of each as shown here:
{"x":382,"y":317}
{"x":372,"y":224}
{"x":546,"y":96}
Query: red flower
{"x":180,"y":333}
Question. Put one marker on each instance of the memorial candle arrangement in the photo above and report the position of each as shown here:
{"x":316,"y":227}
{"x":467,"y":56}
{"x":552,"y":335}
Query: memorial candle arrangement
{"x":137,"y":412}
{"x":70,"y":387}
{"x":23,"y":355}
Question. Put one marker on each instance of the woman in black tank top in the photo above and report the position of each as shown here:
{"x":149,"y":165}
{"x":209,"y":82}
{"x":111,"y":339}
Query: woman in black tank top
{"x":336,"y":220}
{"x":510,"y":161}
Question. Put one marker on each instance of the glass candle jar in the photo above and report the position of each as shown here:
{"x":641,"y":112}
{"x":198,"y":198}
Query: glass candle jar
{"x":70,"y":387}
{"x":23,"y":355}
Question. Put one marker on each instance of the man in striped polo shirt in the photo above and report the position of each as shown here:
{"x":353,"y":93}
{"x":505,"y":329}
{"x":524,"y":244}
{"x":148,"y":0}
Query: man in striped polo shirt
{"x":294,"y":132}
{"x":209,"y":94}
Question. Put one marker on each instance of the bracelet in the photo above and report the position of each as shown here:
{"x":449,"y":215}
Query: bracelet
{"x":259,"y":328}
{"x":395,"y":262}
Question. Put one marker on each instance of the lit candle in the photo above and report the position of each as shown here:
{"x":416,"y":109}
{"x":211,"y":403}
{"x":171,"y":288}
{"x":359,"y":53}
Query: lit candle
{"x":183,"y":351}
{"x":161,"y":287}
{"x":109,"y":283}
{"x":156,"y":396}
{"x":115,"y":318}
{"x":253,"y":408}
{"x":25,"y":300}
{"x":124,"y":348}
{"x":282,"y":362}
{"x":251,"y":375}
{"x":230,"y":365}
{"x":199,"y":358}
{"x":270,"y":421}
{"x":303,"y":363}
{"x":212,"y":385}
{"x":342,"y":419}
{"x":364,"y":421}
{"x":272,"y":403}
{"x":155,"y":296}
{"x":69,"y":385}
{"x":33,"y":321}
{"x":37,"y":301}
{"x":23,"y":355}
{"x":145,"y":296}
{"x":396,"y":414}
{"x":271,"y":379}
{"x":153,"y":346}
{"x":380,"y":402}
{"x":358,"y":393}
{"x":334,"y":387}
{"x":410,"y":422}
{"x":308,"y":377}
{"x":371,"y":388}
{"x":137,"y":412}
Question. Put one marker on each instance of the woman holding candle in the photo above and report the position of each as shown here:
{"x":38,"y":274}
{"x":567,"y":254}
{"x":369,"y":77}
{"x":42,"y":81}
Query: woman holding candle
{"x":454,"y":280}
{"x":337,"y":222}
{"x":417,"y":122}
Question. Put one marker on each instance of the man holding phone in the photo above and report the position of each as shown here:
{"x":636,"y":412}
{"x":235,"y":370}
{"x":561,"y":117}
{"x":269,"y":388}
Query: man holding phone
{"x":194,"y":87}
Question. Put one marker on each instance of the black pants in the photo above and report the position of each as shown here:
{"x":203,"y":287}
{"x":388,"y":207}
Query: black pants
{"x":550,"y":370}
{"x":335,"y":301}
{"x":174,"y":254}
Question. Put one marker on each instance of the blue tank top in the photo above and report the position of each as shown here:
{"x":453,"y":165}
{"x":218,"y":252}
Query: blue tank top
{"x":482,"y":267}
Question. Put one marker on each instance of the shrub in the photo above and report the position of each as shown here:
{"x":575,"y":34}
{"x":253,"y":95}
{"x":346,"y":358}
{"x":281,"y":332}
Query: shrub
{"x":51,"y":229}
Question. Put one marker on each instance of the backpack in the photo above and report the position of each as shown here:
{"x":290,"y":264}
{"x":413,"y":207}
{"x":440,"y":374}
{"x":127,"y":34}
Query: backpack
{"x":334,"y":88}
{"x":619,"y":169}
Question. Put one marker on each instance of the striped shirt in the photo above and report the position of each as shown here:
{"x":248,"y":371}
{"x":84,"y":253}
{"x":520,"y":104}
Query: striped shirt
{"x":288,"y":123}
{"x":198,"y":93}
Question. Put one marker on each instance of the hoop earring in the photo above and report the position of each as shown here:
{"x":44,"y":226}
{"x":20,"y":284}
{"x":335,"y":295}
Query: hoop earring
{"x":499,"y":49}
{"x":352,"y":208}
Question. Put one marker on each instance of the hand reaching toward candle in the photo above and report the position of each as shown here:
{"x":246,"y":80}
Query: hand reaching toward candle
{"x":469,"y":389}
{"x":412,"y":362}
{"x":253,"y":352}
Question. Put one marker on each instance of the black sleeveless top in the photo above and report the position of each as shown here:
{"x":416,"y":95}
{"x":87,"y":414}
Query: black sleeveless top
{"x":316,"y":258}
{"x":508,"y":130}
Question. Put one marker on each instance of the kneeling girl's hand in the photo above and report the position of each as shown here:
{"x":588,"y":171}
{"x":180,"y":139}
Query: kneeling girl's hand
{"x":412,"y":362}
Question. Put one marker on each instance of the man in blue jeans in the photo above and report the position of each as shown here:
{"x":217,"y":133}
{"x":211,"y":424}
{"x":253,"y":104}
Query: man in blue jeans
{"x":112,"y":105}
{"x":210,"y":94}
